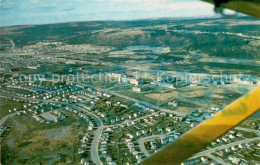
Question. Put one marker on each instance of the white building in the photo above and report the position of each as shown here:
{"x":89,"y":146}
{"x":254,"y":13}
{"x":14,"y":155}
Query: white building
{"x":135,"y":81}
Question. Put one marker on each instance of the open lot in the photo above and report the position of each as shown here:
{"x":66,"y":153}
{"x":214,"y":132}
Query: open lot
{"x":32,"y":142}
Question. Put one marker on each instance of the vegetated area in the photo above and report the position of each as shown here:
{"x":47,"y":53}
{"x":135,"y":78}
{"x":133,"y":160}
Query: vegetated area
{"x":5,"y":105}
{"x":217,"y":37}
{"x":200,"y":47}
{"x":211,"y":44}
{"x":30,"y":141}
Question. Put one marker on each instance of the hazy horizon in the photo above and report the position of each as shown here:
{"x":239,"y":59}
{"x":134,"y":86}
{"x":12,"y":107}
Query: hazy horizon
{"x":34,"y":12}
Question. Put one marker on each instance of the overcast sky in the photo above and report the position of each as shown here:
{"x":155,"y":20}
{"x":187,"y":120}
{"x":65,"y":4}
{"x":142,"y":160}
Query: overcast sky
{"x":21,"y":12}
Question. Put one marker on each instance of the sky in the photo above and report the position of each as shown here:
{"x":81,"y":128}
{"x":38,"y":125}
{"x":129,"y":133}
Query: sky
{"x":31,"y":12}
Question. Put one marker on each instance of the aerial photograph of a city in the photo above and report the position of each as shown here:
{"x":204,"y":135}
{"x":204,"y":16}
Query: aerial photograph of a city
{"x":124,"y":82}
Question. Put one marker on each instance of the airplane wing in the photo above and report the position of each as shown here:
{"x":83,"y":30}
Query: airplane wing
{"x":248,"y":7}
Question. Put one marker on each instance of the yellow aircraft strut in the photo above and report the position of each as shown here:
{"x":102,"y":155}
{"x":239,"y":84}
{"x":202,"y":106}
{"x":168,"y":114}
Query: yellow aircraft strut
{"x":199,"y":137}
{"x":196,"y":139}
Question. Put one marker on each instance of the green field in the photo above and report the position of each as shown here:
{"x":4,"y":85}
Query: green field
{"x":9,"y":104}
{"x":31,"y":142}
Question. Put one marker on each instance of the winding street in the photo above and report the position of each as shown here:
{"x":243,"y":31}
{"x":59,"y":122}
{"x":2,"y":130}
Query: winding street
{"x":7,"y":117}
{"x":94,"y":144}
{"x":142,"y":140}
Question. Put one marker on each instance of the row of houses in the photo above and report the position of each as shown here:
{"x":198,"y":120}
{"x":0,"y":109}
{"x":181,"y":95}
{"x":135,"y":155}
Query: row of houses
{"x":84,"y":147}
{"x":234,"y":148}
{"x":144,"y":107}
{"x":200,"y":160}
{"x":136,"y":154}
{"x":21,"y":100}
{"x":104,"y":141}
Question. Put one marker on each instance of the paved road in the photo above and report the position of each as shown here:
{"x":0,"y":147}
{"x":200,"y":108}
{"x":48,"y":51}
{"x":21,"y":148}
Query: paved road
{"x":7,"y":117}
{"x":225,"y":146}
{"x":248,"y":130}
{"x":94,"y":144}
{"x":218,"y":160}
{"x":142,"y":140}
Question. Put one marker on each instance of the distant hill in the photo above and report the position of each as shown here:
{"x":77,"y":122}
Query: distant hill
{"x":226,"y":37}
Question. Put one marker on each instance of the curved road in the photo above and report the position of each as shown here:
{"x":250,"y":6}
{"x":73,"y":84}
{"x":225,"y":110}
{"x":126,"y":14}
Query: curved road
{"x":7,"y":117}
{"x":142,"y":140}
{"x":94,"y":145}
